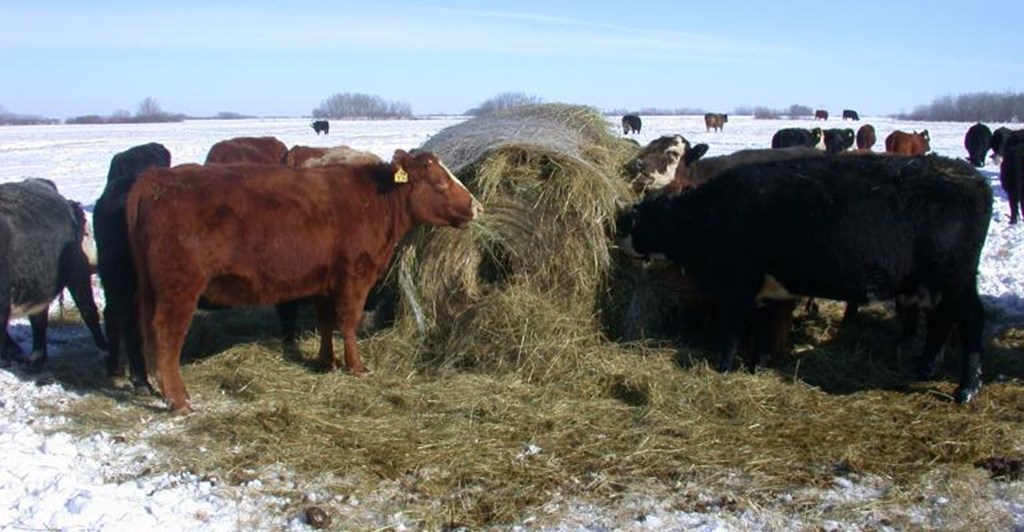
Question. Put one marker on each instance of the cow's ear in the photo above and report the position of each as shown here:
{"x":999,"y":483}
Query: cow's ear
{"x":695,"y":153}
{"x":400,"y":156}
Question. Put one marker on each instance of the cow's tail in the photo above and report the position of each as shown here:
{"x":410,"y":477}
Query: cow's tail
{"x":135,"y":215}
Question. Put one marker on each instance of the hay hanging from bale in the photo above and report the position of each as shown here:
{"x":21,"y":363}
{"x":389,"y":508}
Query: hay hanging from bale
{"x":550,"y":178}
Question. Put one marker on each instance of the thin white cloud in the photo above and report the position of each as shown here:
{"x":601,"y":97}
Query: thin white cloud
{"x":373,"y":28}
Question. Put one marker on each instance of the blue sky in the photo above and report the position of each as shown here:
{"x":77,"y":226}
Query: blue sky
{"x":69,"y":58}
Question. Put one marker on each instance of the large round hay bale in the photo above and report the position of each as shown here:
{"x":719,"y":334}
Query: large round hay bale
{"x":550,"y":178}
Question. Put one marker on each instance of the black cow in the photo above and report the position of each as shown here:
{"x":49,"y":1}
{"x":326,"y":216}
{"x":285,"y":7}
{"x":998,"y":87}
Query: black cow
{"x":116,"y":269}
{"x":321,"y":126}
{"x":839,"y":140}
{"x":977,"y":141}
{"x":795,"y":136}
{"x":630,"y":124}
{"x":998,"y":143}
{"x":850,"y":114}
{"x":843,"y":228}
{"x":1011,"y":172}
{"x":41,"y":244}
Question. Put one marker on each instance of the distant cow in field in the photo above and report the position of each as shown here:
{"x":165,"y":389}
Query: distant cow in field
{"x":321,"y":126}
{"x":255,"y":238}
{"x":866,"y":137}
{"x":821,"y":114}
{"x":838,"y":140}
{"x":1011,"y":172}
{"x":630,"y":124}
{"x":116,"y":269}
{"x":794,"y":136}
{"x":266,"y":150}
{"x":41,"y":244}
{"x":715,"y":121}
{"x":826,"y":227}
{"x":850,"y":114}
{"x":903,"y":143}
{"x":977,"y":142}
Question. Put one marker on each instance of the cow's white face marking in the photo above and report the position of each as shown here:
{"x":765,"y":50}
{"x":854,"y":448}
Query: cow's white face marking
{"x":675,"y":153}
{"x":478,"y":208}
{"x":821,"y":141}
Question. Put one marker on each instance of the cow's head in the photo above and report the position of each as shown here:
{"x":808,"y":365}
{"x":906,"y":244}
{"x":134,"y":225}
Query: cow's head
{"x":436,"y":196}
{"x":819,"y":138}
{"x":661,"y":161}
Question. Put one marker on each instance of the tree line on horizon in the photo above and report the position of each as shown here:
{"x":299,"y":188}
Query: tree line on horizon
{"x":979,"y":106}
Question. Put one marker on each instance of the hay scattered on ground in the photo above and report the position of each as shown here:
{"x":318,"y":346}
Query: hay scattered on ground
{"x":517,"y":396}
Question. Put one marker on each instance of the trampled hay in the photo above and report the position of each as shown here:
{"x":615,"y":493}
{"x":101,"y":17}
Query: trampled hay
{"x":524,"y":390}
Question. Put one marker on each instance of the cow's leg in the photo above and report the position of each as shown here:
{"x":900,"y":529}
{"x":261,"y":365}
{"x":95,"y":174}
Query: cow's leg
{"x":939,"y":323}
{"x":80,"y":286}
{"x":171,"y":319}
{"x":850,"y":312}
{"x":288,"y":316}
{"x":132,"y":343}
{"x":9,"y":350}
{"x":112,"y":325}
{"x":326,"y":323}
{"x":970,"y":323}
{"x":349,"y":308}
{"x":37,"y":357}
{"x":734,"y":322}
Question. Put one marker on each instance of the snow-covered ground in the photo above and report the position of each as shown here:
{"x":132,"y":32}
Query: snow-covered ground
{"x":51,"y":480}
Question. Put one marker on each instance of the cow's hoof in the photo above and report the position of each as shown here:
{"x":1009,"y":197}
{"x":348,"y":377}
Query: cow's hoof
{"x":965,"y":395}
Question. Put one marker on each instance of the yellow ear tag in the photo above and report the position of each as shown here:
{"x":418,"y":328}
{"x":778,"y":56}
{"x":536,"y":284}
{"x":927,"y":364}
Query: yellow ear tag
{"x":401,"y":176}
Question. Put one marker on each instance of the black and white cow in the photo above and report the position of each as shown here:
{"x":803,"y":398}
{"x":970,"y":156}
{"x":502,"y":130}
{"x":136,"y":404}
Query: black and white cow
{"x":977,"y":142}
{"x":41,"y":241}
{"x":843,"y":228}
{"x":116,"y":269}
{"x":321,"y":126}
{"x":850,"y":114}
{"x":839,"y":140}
{"x":631,"y":124}
{"x":795,"y":136}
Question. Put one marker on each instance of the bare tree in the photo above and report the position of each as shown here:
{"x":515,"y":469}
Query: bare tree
{"x":349,"y":105}
{"x":505,"y":100}
{"x":149,"y":108}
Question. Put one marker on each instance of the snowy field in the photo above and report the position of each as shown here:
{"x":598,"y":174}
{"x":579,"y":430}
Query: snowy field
{"x":51,"y":480}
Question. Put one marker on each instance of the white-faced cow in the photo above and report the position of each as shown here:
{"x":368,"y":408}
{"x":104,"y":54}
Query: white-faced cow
{"x":631,"y":124}
{"x":41,"y":242}
{"x":838,"y":140}
{"x":260,"y":234}
{"x":843,"y":228}
{"x":116,"y":269}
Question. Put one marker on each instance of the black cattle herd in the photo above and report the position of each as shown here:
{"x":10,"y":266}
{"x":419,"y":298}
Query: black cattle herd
{"x":854,"y":227}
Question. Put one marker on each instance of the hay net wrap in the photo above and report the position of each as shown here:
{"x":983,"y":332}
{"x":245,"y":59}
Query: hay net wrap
{"x":550,"y":178}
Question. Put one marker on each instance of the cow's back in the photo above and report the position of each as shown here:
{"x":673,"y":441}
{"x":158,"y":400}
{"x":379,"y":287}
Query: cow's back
{"x":264,"y":233}
{"x":266,"y":150}
{"x":40,"y":228}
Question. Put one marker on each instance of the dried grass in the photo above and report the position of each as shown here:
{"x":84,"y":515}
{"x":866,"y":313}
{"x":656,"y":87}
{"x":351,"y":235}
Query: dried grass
{"x":516,"y":396}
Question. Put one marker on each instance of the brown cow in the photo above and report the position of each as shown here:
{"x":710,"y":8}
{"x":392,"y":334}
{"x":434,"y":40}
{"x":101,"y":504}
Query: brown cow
{"x":821,"y":114}
{"x":903,"y":143}
{"x":246,"y":234}
{"x":266,"y":150}
{"x":865,"y":137}
{"x":715,"y":121}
